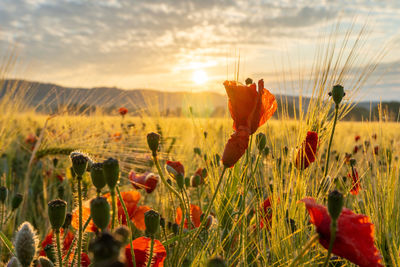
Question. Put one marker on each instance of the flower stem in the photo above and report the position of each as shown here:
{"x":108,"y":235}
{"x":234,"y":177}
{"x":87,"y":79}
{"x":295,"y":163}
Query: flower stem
{"x":151,"y":251}
{"x":306,"y":248}
{"x":330,"y":141}
{"x":79,"y":248}
{"x":128,"y":221}
{"x":113,"y":208}
{"x":331,"y":241}
{"x":60,"y":264}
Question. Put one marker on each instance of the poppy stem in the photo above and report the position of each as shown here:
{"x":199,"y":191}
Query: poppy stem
{"x":113,"y":204}
{"x":80,"y":232}
{"x":59,"y":248}
{"x":306,"y":248}
{"x":331,"y":241}
{"x":151,"y":251}
{"x":128,"y":221}
{"x":73,"y":244}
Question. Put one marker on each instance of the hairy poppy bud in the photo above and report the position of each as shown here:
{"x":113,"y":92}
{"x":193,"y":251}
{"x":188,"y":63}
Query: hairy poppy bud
{"x":153,"y":140}
{"x":14,"y":262}
{"x":197,"y":151}
{"x":3,"y":194}
{"x":79,"y":163}
{"x":180,"y":180}
{"x":55,"y":162}
{"x":68,"y":220}
{"x":97,"y":176}
{"x":122,"y":234}
{"x":216,"y":262}
{"x":100,"y":212}
{"x":16,"y":201}
{"x":57,"y":210}
{"x":335,"y":204}
{"x":111,"y":172}
{"x":25,"y":244}
{"x":152,"y":221}
{"x":337,"y":93}
{"x":353,"y":162}
{"x":261,"y":141}
{"x":187,"y":181}
{"x":44,"y":262}
{"x":105,"y":248}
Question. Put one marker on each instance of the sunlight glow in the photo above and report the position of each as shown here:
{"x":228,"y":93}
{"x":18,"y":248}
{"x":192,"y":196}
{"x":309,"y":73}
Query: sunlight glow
{"x":200,"y":77}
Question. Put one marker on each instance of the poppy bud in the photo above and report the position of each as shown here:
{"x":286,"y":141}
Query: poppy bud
{"x":180,"y":180}
{"x":249,"y":81}
{"x":197,"y":151}
{"x":353,"y":162}
{"x":44,"y":262}
{"x":153,"y":140}
{"x":216,"y":262}
{"x":122,"y":234}
{"x":3,"y":194}
{"x":97,"y":176}
{"x":261,"y":141}
{"x":196,"y":180}
{"x":100,"y":212}
{"x":337,"y":93}
{"x":57,"y":210}
{"x":16,"y":201}
{"x":68,"y":220}
{"x":175,"y":228}
{"x":111,"y":172}
{"x":25,"y":244}
{"x":187,"y":181}
{"x":14,"y":262}
{"x":105,"y":248}
{"x":152,"y":221}
{"x":335,"y":204}
{"x":266,"y":151}
{"x":55,"y":162}
{"x":79,"y":163}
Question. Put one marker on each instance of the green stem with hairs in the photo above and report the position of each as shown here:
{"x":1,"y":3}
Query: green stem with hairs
{"x":80,"y":232}
{"x":114,"y":208}
{"x":128,"y":221}
{"x":306,"y":248}
{"x":73,"y":244}
{"x":60,"y":264}
{"x":330,"y":141}
{"x":151,"y":251}
{"x":331,"y":241}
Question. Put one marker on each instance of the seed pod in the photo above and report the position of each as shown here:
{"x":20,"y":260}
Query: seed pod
{"x":152,"y":221}
{"x":261,"y":141}
{"x":16,"y":201}
{"x":79,"y":163}
{"x":216,"y":262}
{"x":97,"y":175}
{"x":153,"y":140}
{"x":44,"y":262}
{"x":25,"y":244}
{"x":335,"y":204}
{"x":337,"y":93}
{"x":100,"y":212}
{"x":187,"y":181}
{"x":3,"y":194}
{"x":111,"y":172}
{"x":57,"y":210}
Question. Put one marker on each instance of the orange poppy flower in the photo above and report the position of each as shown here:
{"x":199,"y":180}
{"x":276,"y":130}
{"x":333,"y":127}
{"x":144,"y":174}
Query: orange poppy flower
{"x":195,"y":214}
{"x":148,"y":181}
{"x":235,"y":147}
{"x":307,"y":151}
{"x":50,"y":240}
{"x":141,"y":248}
{"x":356,"y":181}
{"x":130,"y":198}
{"x":354,"y":238}
{"x":116,"y":136}
{"x":123,"y":111}
{"x":249,"y":108}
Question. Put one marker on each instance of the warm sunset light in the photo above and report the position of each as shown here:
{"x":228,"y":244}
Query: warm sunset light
{"x":200,"y":77}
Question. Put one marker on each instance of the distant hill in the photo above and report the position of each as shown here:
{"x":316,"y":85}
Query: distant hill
{"x":49,"y":98}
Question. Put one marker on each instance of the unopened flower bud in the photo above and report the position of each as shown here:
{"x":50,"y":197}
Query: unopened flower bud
{"x":197,"y":151}
{"x":153,"y":140}
{"x":335,"y":204}
{"x":25,"y":244}
{"x":100,"y":212}
{"x":3,"y":194}
{"x":216,"y":262}
{"x":68,"y":220}
{"x":55,"y":162}
{"x":266,"y":151}
{"x":122,"y":234}
{"x":79,"y":163}
{"x":180,"y":181}
{"x":44,"y":262}
{"x":249,"y":81}
{"x":187,"y":181}
{"x":105,"y":248}
{"x":57,"y":209}
{"x":353,"y":162}
{"x":175,"y":228}
{"x":337,"y":93}
{"x":97,"y":176}
{"x":152,"y":221}
{"x":111,"y":172}
{"x":16,"y":201}
{"x":261,"y":141}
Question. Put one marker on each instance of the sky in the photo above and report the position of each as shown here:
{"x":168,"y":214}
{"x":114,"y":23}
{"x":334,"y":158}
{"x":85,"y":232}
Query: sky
{"x":181,"y":45}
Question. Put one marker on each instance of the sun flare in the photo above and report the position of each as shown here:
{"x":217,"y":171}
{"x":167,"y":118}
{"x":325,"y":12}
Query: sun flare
{"x":200,"y":77}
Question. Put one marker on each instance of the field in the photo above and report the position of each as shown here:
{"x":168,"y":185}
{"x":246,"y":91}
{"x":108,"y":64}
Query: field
{"x":239,"y":231}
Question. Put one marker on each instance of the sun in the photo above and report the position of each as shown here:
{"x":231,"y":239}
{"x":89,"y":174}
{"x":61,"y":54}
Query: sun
{"x":200,"y":77}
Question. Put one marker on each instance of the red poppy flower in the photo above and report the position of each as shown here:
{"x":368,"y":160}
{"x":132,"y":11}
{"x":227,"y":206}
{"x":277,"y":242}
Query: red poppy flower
{"x":354,"y":238}
{"x":249,"y":108}
{"x":355,"y":150}
{"x":195,"y":214}
{"x":123,"y":111}
{"x":141,"y":248}
{"x":31,"y":140}
{"x":307,"y":151}
{"x":50,"y":239}
{"x":174,"y":168}
{"x":357,"y":137}
{"x":374,"y":136}
{"x":148,"y":181}
{"x":60,"y":177}
{"x":356,"y":181}
{"x":201,"y":173}
{"x":376,"y":150}
{"x":130,"y":198}
{"x":235,"y":147}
